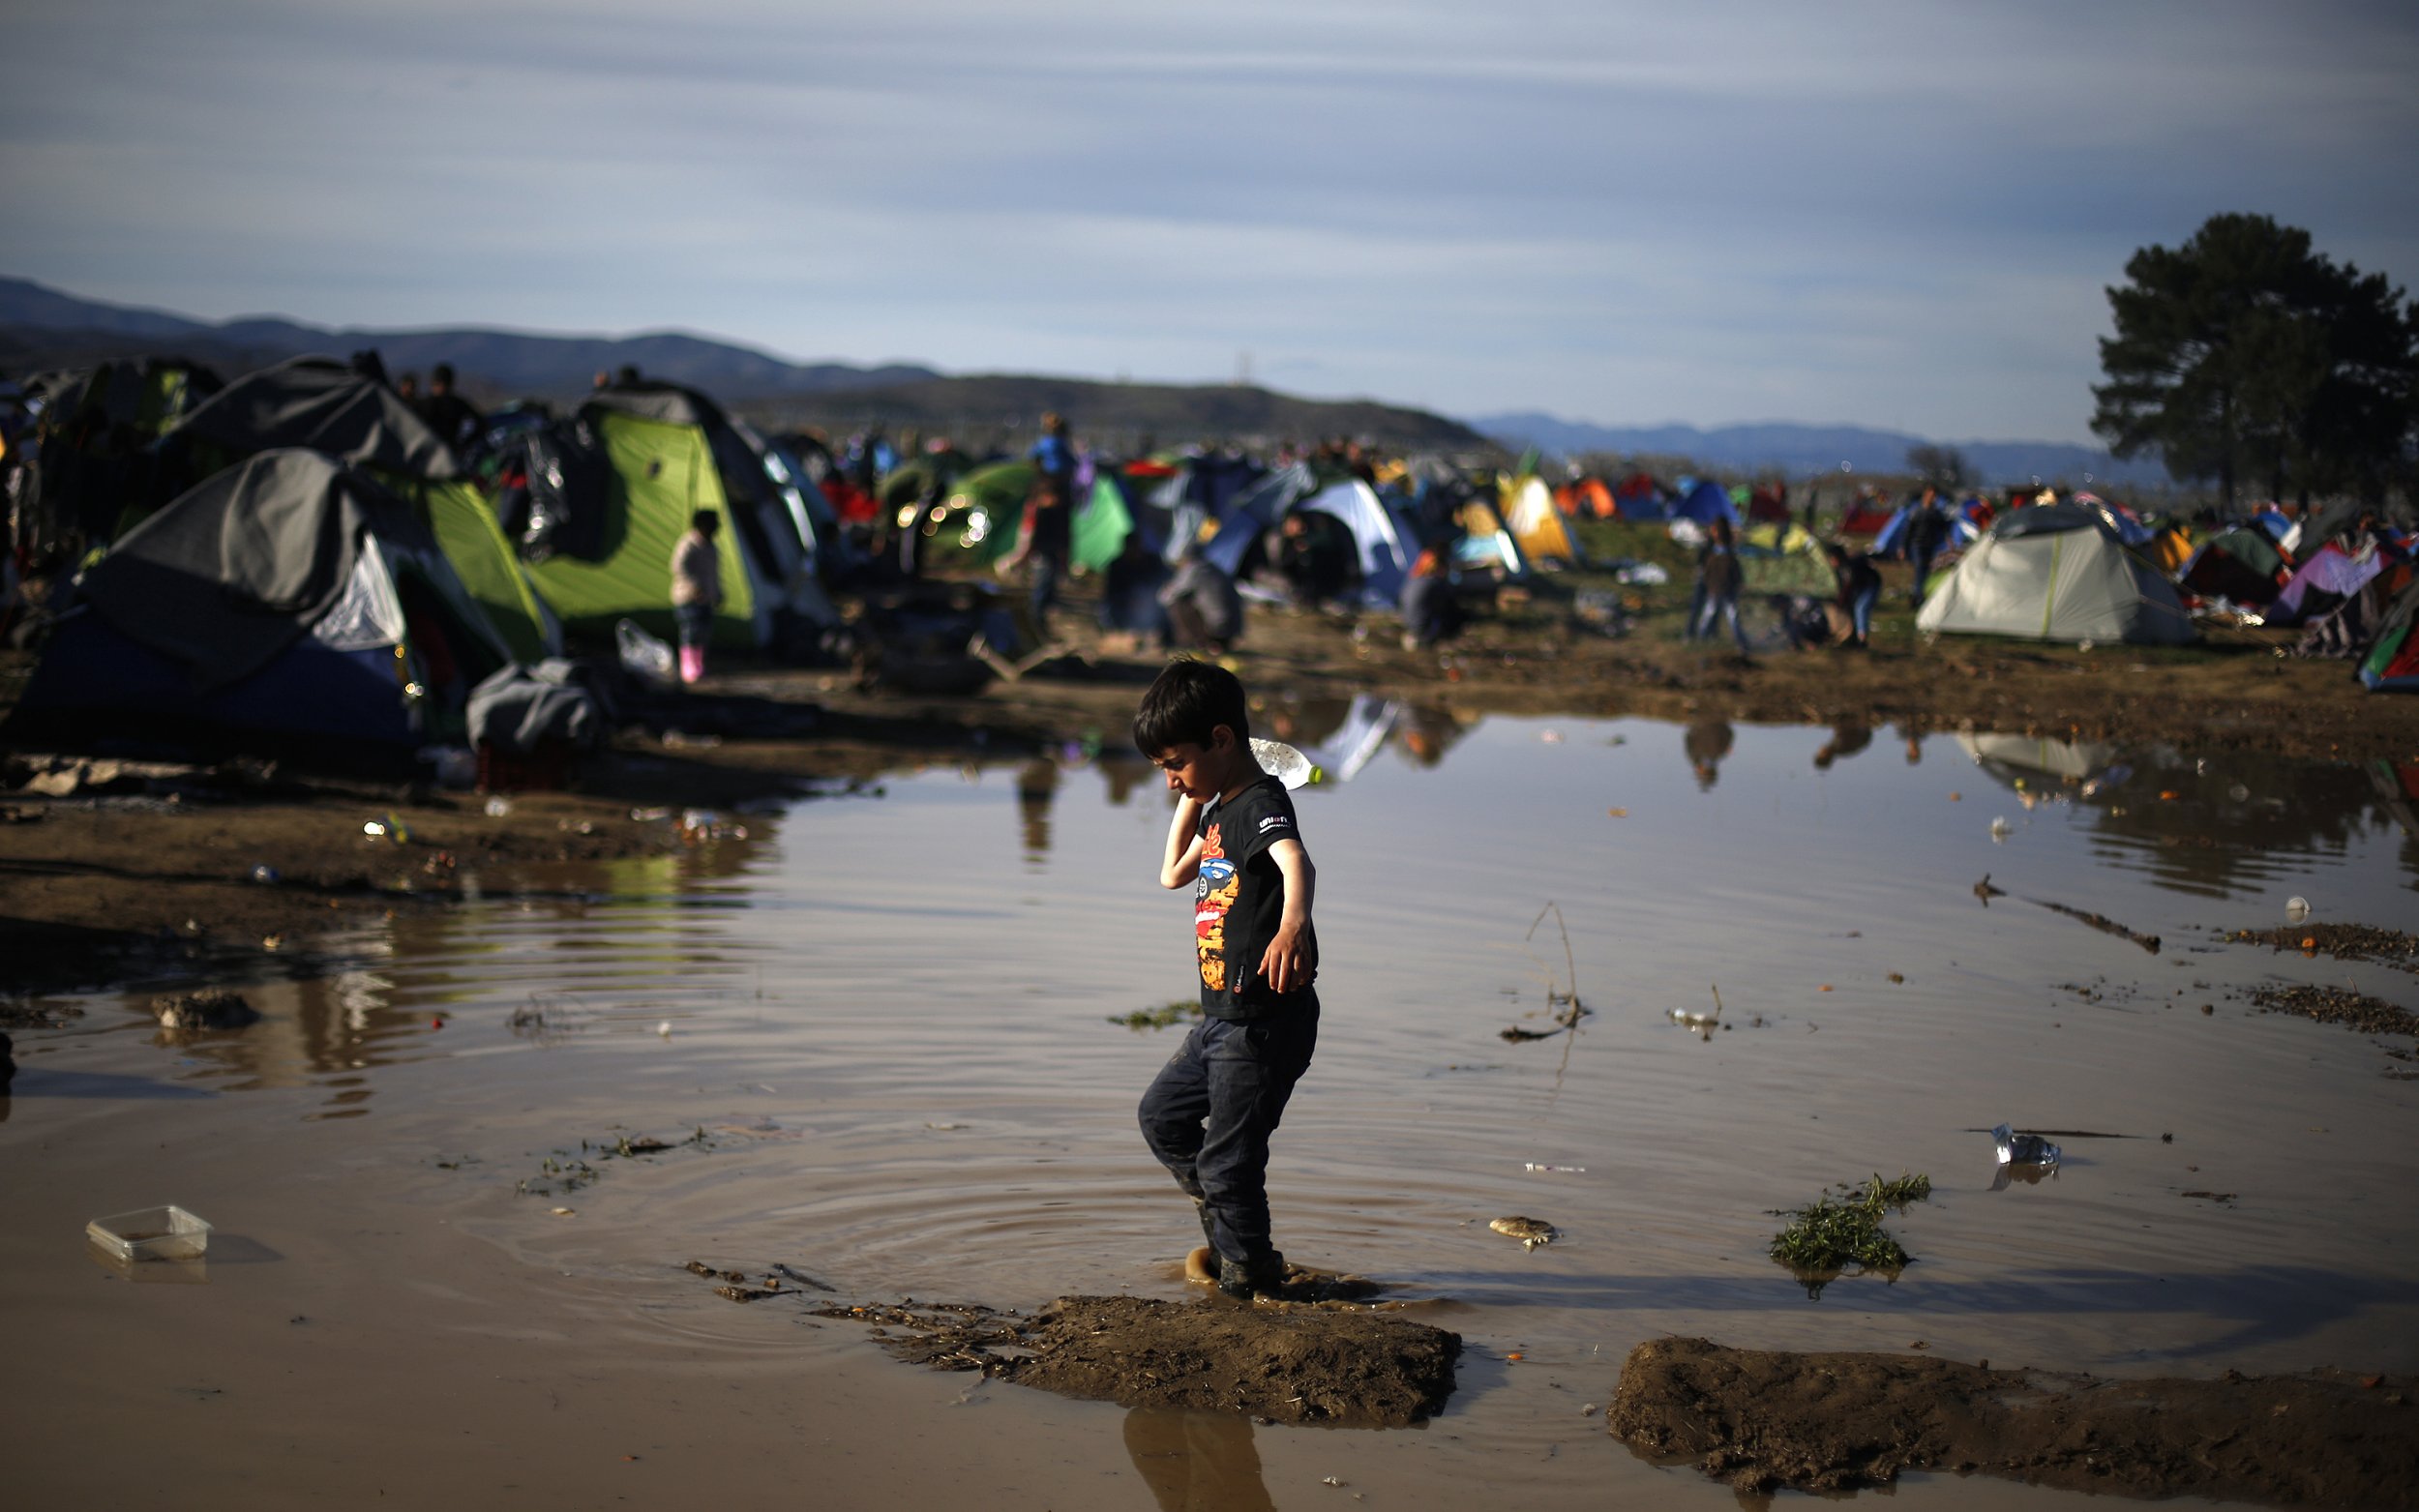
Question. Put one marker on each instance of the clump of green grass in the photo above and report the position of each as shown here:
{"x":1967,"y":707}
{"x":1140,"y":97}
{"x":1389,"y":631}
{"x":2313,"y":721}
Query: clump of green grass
{"x":1166,"y":1015}
{"x":1837,"y":1230}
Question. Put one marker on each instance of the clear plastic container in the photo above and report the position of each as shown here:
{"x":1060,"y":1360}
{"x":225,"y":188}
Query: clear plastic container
{"x":150,"y":1233}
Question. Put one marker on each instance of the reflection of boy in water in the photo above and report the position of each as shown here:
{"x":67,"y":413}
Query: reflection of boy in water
{"x":1234,"y":841}
{"x":1706,"y":743}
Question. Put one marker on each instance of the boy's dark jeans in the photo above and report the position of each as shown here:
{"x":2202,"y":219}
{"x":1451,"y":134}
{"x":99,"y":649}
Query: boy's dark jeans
{"x":1208,"y":1115}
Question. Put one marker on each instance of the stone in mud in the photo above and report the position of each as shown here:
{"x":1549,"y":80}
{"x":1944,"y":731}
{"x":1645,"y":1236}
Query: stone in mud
{"x":1530,"y":1232}
{"x":211,"y":1008}
{"x":1826,"y":1422}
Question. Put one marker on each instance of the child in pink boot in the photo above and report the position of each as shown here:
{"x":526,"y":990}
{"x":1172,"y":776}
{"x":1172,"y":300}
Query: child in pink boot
{"x":697,"y":590}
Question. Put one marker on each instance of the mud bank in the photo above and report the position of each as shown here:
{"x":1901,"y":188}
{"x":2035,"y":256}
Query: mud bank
{"x":1284,"y":1362}
{"x":1828,"y":1422}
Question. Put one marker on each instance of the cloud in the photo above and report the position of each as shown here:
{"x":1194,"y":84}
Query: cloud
{"x":1898,"y":214}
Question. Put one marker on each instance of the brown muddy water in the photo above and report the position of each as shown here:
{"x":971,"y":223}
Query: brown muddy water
{"x":890,"y":1016}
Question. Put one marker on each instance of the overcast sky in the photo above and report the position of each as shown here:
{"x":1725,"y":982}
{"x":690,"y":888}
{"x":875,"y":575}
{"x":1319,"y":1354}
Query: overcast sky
{"x":1891,"y":215}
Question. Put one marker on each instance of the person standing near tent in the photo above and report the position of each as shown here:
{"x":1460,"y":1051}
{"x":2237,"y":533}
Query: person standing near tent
{"x":1927,"y":531}
{"x":1046,"y":539}
{"x":1048,"y":534}
{"x":697,"y":590}
{"x":447,"y":412}
{"x":1204,"y":612}
{"x":1431,"y":611}
{"x":1718,"y":580}
{"x":1860,"y":588}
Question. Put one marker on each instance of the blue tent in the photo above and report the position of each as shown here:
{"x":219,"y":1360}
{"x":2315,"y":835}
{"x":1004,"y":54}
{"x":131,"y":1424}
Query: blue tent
{"x":1708,"y":501}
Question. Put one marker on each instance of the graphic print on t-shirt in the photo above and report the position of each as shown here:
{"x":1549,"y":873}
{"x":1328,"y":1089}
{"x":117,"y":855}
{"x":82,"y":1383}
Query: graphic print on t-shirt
{"x":1212,"y":896}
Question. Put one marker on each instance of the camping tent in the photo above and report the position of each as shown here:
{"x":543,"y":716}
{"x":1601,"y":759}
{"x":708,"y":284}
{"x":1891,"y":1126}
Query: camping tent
{"x":2241,"y":564}
{"x":290,"y":604}
{"x":2056,"y":573}
{"x":988,"y":505}
{"x":327,"y":406}
{"x":1706,"y":502}
{"x":2326,"y":577}
{"x":1382,"y":539}
{"x":1866,"y":514}
{"x":2392,"y":664}
{"x":760,"y":497}
{"x":657,"y":473}
{"x":1529,"y":514}
{"x":91,"y":434}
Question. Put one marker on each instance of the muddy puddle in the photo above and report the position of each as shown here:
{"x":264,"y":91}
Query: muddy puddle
{"x":873,"y":1039}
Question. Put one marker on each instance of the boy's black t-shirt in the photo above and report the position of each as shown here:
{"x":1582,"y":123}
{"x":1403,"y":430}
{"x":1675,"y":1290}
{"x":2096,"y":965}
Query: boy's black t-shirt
{"x":1238,"y":900}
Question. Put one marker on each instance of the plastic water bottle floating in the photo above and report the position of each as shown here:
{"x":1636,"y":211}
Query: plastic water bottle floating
{"x":1285,"y":764}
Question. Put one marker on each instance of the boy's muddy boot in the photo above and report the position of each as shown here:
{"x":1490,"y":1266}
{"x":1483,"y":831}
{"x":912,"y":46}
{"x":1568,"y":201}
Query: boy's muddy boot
{"x":1201,"y":1264}
{"x":1244,"y":1278}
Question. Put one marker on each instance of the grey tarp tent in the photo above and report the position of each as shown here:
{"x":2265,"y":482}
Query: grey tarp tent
{"x":2056,"y":573}
{"x":326,"y":405}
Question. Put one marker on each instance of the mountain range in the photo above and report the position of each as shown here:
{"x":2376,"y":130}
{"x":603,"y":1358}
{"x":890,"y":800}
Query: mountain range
{"x":43,"y":327}
{"x":1800,"y":450}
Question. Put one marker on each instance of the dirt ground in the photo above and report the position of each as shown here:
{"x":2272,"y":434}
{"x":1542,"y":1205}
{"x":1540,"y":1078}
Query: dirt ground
{"x":1283,"y":1361}
{"x":1833,"y":1422}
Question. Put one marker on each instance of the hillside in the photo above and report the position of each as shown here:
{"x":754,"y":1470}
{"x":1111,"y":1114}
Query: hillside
{"x":1800,"y":450}
{"x":43,"y":327}
{"x":1127,"y":416}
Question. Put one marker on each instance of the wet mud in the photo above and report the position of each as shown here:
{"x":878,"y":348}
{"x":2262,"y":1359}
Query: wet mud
{"x":1831,"y":1422}
{"x":2341,"y":941}
{"x":2338,"y":1005}
{"x":1286,"y":1362}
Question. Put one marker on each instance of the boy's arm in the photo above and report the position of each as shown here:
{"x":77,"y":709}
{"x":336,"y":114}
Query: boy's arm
{"x":1286,"y":964}
{"x":1183,"y":862}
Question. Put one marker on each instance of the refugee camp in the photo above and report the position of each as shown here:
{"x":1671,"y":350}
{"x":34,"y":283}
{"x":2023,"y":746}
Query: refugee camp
{"x":1209,"y":759}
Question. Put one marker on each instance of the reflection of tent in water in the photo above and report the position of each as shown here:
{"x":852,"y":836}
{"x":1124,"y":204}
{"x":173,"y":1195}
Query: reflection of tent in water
{"x":1362,"y":735}
{"x":2056,"y":572}
{"x":327,"y":406}
{"x":2013,"y":755}
{"x":290,"y":605}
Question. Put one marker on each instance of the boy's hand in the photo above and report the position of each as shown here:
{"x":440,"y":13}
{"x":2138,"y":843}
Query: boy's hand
{"x":1285,"y":964}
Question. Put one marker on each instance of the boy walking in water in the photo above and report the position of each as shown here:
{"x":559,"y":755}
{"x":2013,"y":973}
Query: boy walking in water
{"x":1234,"y":841}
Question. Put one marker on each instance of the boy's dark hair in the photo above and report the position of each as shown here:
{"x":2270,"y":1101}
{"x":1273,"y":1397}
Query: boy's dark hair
{"x":705,"y":520}
{"x":1190,"y":700}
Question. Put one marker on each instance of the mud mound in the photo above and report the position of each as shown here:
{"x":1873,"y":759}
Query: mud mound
{"x":1293,"y":1362}
{"x":1360,"y":1369}
{"x":1829,"y":1422}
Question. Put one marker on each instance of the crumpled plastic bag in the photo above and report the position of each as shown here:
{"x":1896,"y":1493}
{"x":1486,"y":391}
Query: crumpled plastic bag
{"x":643,"y":657}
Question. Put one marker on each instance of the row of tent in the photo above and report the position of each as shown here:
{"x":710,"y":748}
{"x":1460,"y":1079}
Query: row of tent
{"x":297,"y":559}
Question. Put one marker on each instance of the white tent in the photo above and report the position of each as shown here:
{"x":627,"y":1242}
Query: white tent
{"x":2056,"y":573}
{"x":1385,"y":554}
